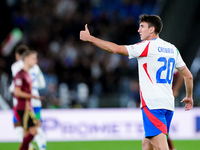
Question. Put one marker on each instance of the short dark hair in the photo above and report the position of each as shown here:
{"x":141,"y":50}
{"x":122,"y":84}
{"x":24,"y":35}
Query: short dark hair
{"x":27,"y":53}
{"x":153,"y":21}
{"x":21,"y":49}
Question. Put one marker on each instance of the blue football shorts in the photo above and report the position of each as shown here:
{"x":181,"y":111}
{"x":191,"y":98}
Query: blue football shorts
{"x":37,"y":111}
{"x":156,"y":121}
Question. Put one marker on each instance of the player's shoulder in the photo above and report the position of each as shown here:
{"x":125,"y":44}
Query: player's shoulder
{"x":142,"y":42}
{"x":20,"y":73}
{"x":17,"y":64}
{"x":167,"y":43}
{"x":35,"y":68}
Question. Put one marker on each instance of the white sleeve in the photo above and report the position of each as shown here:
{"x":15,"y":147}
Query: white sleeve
{"x":136,"y":50}
{"x":16,"y":67}
{"x":40,"y":79}
{"x":179,"y":61}
{"x":11,"y":87}
{"x":14,"y":70}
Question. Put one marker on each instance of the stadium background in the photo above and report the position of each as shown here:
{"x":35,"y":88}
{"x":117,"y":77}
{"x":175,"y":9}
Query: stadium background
{"x":79,"y":75}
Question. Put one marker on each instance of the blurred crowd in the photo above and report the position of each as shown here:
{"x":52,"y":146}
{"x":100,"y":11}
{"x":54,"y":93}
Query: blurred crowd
{"x":77,"y":73}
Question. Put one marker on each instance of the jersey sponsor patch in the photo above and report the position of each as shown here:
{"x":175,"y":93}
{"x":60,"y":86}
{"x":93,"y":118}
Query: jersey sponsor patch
{"x":18,"y":82}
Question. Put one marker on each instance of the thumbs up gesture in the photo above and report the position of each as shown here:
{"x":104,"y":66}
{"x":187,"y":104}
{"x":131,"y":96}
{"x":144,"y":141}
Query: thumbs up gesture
{"x":85,"y":34}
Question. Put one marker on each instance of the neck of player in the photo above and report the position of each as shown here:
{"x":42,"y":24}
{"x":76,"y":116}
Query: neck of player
{"x":26,"y":68}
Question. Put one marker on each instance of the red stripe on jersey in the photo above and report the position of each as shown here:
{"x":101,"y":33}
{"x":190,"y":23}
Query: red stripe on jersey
{"x":145,"y":68}
{"x":145,"y":52}
{"x":159,"y":124}
{"x":142,"y":99}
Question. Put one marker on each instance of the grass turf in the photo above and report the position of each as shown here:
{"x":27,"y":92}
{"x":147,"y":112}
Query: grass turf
{"x":105,"y":145}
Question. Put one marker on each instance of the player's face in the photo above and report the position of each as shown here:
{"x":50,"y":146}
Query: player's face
{"x":32,"y":59}
{"x":144,"y":31}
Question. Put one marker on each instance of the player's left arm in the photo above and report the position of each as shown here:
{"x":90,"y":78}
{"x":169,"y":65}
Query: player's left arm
{"x":178,"y":84}
{"x":188,"y":80}
{"x":21,"y":94}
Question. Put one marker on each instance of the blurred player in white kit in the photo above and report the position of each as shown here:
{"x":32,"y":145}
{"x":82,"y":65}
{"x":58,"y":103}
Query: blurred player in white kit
{"x":38,"y":82}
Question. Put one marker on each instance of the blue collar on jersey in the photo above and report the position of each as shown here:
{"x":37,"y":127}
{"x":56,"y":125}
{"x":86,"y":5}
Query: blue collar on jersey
{"x":154,"y":39}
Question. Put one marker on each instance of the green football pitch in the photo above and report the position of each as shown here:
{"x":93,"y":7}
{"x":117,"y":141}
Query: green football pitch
{"x":105,"y":145}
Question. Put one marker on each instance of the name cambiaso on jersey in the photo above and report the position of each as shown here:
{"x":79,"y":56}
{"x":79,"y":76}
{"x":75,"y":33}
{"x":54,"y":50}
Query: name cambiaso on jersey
{"x":156,"y":62}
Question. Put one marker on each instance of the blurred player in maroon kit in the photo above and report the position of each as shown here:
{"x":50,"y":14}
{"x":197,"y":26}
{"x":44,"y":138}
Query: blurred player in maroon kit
{"x":23,"y":86}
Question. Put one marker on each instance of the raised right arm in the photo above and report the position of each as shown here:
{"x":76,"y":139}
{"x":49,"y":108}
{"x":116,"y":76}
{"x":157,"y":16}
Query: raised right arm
{"x":105,"y":45}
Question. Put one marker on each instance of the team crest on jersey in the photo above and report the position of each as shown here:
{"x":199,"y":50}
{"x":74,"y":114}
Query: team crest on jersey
{"x":18,"y":82}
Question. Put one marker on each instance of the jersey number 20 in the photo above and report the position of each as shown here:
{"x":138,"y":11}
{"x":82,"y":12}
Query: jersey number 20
{"x":169,"y":67}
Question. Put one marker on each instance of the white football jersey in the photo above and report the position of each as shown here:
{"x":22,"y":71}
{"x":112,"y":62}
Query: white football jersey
{"x":38,"y":81}
{"x":156,"y":60}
